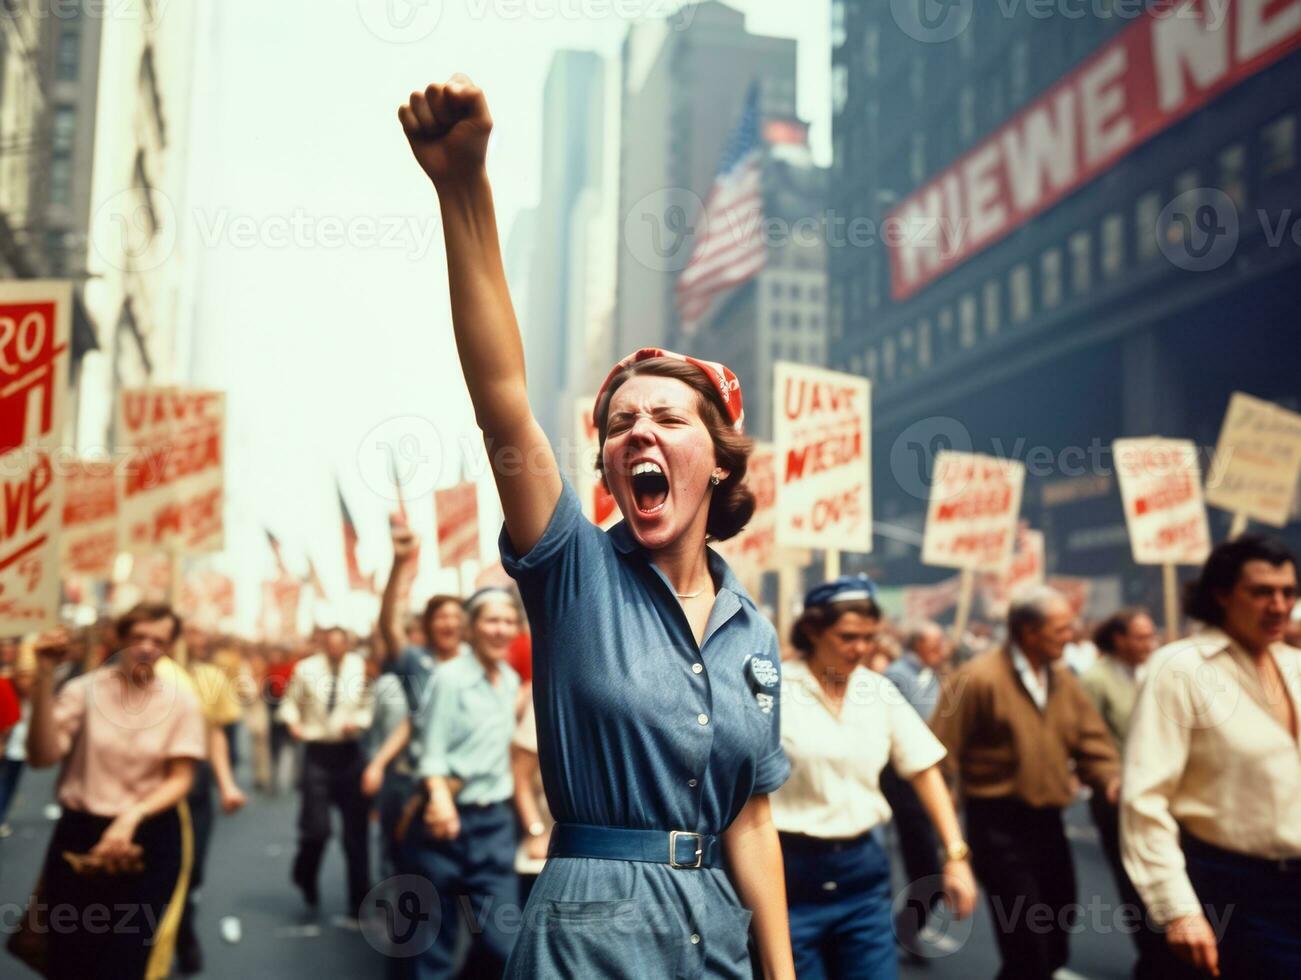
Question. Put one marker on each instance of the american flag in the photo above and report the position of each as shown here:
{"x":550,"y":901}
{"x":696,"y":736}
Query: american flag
{"x":731,"y":249}
{"x":356,"y":581}
{"x":275,"y":550}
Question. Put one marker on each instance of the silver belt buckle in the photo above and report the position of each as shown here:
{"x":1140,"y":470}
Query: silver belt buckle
{"x":673,"y":849}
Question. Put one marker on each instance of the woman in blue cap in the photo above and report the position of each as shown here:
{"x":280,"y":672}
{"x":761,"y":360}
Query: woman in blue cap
{"x":656,"y":679}
{"x":841,"y":725}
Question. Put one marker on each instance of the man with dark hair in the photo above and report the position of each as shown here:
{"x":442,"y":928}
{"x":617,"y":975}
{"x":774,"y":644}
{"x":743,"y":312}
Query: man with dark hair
{"x":328,"y":707}
{"x":1014,"y":721}
{"x":1211,"y":813}
{"x":1126,"y":639}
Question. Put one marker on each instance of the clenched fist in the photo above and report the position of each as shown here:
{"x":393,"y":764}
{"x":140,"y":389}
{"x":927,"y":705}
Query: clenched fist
{"x":448,"y":126}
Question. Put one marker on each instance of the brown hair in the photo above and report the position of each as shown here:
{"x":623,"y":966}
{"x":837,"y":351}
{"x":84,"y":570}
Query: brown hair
{"x":431,"y":610}
{"x":732,"y":504}
{"x":146,"y":612}
{"x":1115,"y":626}
{"x":815,"y":620}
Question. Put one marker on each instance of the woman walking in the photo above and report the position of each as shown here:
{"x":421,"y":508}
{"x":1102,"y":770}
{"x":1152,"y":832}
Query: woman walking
{"x":655,"y":677}
{"x":127,"y":735}
{"x":843,"y":725}
{"x":467,"y":845}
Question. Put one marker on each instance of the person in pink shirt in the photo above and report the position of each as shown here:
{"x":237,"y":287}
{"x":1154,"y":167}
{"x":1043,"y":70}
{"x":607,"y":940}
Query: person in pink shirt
{"x":126,"y":736}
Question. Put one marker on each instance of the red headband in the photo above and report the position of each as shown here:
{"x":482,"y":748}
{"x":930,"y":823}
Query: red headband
{"x":721,"y":379}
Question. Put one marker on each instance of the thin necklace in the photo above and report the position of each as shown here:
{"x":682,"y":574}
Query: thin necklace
{"x":688,"y":595}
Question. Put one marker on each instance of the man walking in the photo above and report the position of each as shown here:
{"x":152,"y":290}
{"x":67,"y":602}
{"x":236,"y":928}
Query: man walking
{"x":1014,"y":720}
{"x":327,"y":706}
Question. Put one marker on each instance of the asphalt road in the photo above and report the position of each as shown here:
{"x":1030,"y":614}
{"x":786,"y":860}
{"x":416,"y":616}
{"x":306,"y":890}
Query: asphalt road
{"x":248,"y":879}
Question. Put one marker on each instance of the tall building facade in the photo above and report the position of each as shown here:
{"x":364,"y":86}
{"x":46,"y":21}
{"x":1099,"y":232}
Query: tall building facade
{"x":24,"y":122}
{"x":140,"y":276}
{"x":1086,"y":217}
{"x":563,"y":259}
{"x":779,"y":314}
{"x":684,"y":81}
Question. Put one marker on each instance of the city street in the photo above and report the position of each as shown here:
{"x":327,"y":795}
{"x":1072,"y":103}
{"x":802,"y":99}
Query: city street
{"x":248,"y":877}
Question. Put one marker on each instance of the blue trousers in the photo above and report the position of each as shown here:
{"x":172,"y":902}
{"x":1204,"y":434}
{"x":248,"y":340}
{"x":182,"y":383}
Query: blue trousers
{"x":1254,"y":906}
{"x":475,"y":870}
{"x":839,"y":898}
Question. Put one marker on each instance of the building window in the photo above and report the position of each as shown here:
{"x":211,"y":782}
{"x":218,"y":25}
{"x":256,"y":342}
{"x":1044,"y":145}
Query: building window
{"x":1278,"y":146}
{"x":1050,"y":274}
{"x":1019,"y":293}
{"x":917,"y":78}
{"x":839,"y":87}
{"x":888,"y":358}
{"x":1146,"y":214}
{"x":795,"y":321}
{"x":924,"y":345}
{"x":796,"y":292}
{"x":67,"y":56}
{"x":917,"y":157}
{"x":61,"y":180}
{"x":1233,"y":168}
{"x":967,"y":114}
{"x":1081,"y":256}
{"x":944,"y":328}
{"x":64,"y":129}
{"x":838,"y":34}
{"x":872,"y":51}
{"x":869,"y":363}
{"x":1187,"y":181}
{"x":1113,"y":245}
{"x":1020,"y":71}
{"x":775,"y":289}
{"x":993,"y":307}
{"x":873,"y":284}
{"x":967,"y":320}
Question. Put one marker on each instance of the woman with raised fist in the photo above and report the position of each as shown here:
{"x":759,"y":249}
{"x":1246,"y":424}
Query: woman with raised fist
{"x":656,"y":679}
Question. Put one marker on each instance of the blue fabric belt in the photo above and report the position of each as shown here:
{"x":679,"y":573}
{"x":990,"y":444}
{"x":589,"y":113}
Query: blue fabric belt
{"x":676,"y":848}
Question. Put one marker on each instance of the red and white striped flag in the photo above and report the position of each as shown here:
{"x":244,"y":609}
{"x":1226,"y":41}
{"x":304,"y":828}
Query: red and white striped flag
{"x":731,"y":250}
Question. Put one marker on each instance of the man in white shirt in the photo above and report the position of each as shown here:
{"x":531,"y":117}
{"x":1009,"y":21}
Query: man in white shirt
{"x":328,"y":707}
{"x":1211,"y":803}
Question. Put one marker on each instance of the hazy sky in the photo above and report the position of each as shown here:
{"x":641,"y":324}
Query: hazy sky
{"x":323,"y":301}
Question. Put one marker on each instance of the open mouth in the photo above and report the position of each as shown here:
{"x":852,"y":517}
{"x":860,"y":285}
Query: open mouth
{"x":650,"y":488}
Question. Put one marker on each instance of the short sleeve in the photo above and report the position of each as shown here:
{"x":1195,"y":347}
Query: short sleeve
{"x":440,"y":718}
{"x":70,"y":711}
{"x":565,"y":565}
{"x":188,"y":738}
{"x":774,"y":768}
{"x":913,"y":746}
{"x":526,"y":730}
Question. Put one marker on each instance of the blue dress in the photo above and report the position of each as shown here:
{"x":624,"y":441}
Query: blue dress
{"x":640,"y":727}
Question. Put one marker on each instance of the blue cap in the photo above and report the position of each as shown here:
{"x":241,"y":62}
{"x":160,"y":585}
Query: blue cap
{"x":847,"y":588}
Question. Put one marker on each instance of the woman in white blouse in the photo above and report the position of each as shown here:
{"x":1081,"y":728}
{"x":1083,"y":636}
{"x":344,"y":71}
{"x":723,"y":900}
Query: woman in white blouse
{"x":841,"y":725}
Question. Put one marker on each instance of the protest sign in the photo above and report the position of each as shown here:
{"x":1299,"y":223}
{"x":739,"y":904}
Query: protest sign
{"x":35,"y":321}
{"x":172,"y":490}
{"x":822,"y":431}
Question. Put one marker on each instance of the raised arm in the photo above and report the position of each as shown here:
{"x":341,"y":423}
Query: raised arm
{"x":448,"y":127}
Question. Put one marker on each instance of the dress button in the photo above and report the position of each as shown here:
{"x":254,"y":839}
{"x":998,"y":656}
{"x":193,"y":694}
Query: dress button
{"x":691,"y":783}
{"x":828,"y":886}
{"x":697,"y":668}
{"x":703,"y":719}
{"x":695,"y":939}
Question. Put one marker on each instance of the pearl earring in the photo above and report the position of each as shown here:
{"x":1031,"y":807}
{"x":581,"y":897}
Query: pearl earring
{"x":715,"y":479}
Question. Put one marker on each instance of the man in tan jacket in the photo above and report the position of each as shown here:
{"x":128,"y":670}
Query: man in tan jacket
{"x":1018,"y":728}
